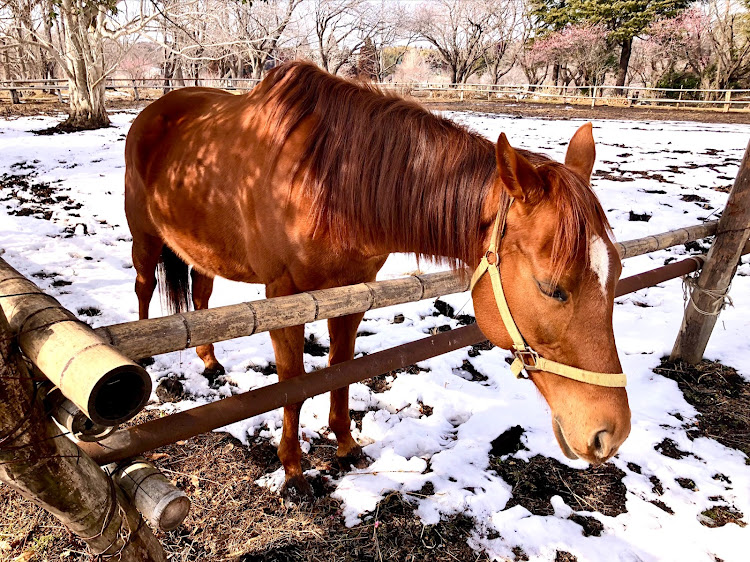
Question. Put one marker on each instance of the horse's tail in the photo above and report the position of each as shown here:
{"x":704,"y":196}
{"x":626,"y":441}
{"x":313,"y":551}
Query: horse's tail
{"x":174,"y":283}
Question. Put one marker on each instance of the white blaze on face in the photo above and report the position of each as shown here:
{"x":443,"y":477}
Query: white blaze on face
{"x":599,"y":260}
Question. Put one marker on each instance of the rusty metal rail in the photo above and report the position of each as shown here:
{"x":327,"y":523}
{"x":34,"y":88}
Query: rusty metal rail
{"x":133,"y":441}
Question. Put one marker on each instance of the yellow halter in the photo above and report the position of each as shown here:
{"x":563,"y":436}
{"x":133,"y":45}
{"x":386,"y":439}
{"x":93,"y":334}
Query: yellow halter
{"x":526,"y":359}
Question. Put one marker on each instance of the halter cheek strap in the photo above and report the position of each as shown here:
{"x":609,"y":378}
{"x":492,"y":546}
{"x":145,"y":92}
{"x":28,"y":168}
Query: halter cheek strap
{"x":526,"y":359}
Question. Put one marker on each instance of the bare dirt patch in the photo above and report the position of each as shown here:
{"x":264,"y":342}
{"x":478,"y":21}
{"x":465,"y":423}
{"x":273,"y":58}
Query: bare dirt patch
{"x":563,"y":111}
{"x":534,"y":483}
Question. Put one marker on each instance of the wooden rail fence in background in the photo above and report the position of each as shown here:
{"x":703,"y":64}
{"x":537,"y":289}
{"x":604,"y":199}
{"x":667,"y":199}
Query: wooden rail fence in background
{"x":144,"y":88}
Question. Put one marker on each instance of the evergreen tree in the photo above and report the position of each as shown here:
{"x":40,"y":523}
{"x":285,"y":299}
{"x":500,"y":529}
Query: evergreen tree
{"x":624,"y":19}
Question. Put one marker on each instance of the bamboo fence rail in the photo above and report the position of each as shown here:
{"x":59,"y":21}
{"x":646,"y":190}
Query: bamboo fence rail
{"x":125,"y":443}
{"x":144,"y":338}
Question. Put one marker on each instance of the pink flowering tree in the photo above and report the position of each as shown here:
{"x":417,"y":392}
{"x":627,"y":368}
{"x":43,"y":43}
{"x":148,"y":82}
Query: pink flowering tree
{"x":675,"y":47}
{"x":581,"y":52}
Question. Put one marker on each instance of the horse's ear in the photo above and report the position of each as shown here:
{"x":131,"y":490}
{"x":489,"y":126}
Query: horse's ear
{"x":518,"y":175}
{"x":582,"y":152}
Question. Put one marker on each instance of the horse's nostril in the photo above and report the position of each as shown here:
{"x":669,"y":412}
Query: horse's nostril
{"x":602,"y":444}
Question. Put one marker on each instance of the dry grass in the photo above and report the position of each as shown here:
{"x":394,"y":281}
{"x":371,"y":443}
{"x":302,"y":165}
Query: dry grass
{"x":721,"y":396}
{"x":234,"y":519}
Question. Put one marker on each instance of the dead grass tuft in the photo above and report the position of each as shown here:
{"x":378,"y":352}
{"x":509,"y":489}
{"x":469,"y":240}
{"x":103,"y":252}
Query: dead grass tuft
{"x":721,"y":396}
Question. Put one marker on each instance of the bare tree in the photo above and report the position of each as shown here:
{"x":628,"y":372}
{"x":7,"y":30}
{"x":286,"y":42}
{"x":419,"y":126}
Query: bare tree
{"x":505,"y":40}
{"x":84,"y":26}
{"x":460,"y":30}
{"x":341,"y":29}
{"x":730,"y":35}
{"x":261,"y":27}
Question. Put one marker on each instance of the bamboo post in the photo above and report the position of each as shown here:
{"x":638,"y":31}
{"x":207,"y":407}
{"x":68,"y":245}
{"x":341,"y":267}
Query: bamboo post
{"x":163,"y":504}
{"x":707,"y":296}
{"x":104,"y":384}
{"x":47,"y":468}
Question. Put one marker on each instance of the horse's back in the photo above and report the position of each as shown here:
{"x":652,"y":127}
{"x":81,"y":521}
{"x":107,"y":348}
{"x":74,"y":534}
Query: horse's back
{"x":205,"y":174}
{"x":165,"y":117}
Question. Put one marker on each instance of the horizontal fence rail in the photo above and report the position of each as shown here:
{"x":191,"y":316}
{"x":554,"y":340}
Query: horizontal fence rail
{"x":602,"y":94}
{"x":144,"y":338}
{"x":150,"y":435}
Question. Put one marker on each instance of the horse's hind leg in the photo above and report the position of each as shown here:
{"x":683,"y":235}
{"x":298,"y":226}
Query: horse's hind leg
{"x":203,"y":285}
{"x":146,"y":253}
{"x":343,"y":333}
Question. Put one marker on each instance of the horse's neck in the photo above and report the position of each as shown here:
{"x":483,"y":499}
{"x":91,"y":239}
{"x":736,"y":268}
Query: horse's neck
{"x":454,"y":232}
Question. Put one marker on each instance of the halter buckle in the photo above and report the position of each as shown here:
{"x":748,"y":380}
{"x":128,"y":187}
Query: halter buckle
{"x":528,"y":357}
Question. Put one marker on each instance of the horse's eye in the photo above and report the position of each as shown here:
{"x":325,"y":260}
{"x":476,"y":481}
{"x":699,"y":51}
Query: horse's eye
{"x":553,"y":291}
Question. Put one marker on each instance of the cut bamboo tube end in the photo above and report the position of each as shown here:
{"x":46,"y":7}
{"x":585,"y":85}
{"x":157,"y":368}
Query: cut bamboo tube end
{"x":105,"y":385}
{"x":163,"y":504}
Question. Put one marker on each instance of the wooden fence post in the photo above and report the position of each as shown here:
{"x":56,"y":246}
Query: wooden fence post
{"x":706,"y":297}
{"x":593,"y":98}
{"x":14,"y":98}
{"x":728,"y":100}
{"x":44,"y":466}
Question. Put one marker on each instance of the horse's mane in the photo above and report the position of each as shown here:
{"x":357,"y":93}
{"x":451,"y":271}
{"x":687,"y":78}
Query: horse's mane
{"x":384,"y":170}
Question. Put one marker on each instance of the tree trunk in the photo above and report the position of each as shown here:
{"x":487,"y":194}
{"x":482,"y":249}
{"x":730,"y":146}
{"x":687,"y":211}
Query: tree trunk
{"x":178,"y":75}
{"x":84,"y":50}
{"x":622,"y":73}
{"x":86,"y":108}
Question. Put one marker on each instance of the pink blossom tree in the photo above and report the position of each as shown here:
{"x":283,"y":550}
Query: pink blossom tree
{"x":675,"y":45}
{"x":581,"y":52}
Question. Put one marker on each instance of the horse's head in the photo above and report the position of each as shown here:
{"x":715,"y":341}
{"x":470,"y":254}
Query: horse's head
{"x":559,"y":269}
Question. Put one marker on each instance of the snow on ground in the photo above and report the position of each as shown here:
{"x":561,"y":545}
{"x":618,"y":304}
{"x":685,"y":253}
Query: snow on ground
{"x":82,"y":256}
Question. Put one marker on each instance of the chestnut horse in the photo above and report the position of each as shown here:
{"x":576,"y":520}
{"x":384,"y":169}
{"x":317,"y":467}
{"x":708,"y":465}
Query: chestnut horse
{"x":310,"y":181}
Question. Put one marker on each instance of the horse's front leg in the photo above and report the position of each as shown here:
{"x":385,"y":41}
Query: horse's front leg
{"x":343,"y":332}
{"x":288,"y":346}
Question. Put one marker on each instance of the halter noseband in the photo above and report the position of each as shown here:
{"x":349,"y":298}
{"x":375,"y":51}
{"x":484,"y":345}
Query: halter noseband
{"x":526,"y":359}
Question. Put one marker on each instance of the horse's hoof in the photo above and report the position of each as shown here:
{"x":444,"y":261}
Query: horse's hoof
{"x":297,"y":490}
{"x":213,"y":374}
{"x":354,"y":459}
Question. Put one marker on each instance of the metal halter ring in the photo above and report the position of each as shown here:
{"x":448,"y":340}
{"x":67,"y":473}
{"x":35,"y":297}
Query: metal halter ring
{"x":528,"y":357}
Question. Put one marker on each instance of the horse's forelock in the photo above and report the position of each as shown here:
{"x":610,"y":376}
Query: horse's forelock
{"x":579,"y":217}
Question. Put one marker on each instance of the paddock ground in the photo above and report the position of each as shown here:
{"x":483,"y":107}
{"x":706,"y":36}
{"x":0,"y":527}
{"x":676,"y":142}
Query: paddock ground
{"x":683,"y":471}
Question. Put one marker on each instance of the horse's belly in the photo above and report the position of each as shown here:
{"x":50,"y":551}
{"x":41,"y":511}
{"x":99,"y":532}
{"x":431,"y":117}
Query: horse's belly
{"x":218,"y":252}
